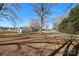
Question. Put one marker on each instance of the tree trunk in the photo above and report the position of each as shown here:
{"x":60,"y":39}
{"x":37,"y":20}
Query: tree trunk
{"x":41,"y":25}
{"x":41,"y":28}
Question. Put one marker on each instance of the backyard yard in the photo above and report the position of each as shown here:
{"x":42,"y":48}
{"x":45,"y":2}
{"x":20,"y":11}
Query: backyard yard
{"x":39,"y":29}
{"x":36,"y":44}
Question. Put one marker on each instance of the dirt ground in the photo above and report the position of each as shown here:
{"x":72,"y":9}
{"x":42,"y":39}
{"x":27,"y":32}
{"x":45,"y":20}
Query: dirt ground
{"x":33,"y":44}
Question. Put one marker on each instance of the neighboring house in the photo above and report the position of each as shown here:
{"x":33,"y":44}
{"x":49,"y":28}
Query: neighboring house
{"x":24,"y":29}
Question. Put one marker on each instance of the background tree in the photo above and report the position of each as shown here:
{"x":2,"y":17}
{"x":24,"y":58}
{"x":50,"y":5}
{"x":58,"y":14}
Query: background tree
{"x":35,"y":24}
{"x":7,"y":12}
{"x":57,"y":20}
{"x":42,"y":10}
{"x":71,"y":23}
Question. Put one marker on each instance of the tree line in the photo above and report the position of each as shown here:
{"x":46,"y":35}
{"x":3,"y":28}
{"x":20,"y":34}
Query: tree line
{"x":70,"y":24}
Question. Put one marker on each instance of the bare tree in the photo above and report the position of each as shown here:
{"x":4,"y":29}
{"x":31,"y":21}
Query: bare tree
{"x":57,"y":20}
{"x":8,"y":13}
{"x":35,"y":24}
{"x":42,"y":10}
